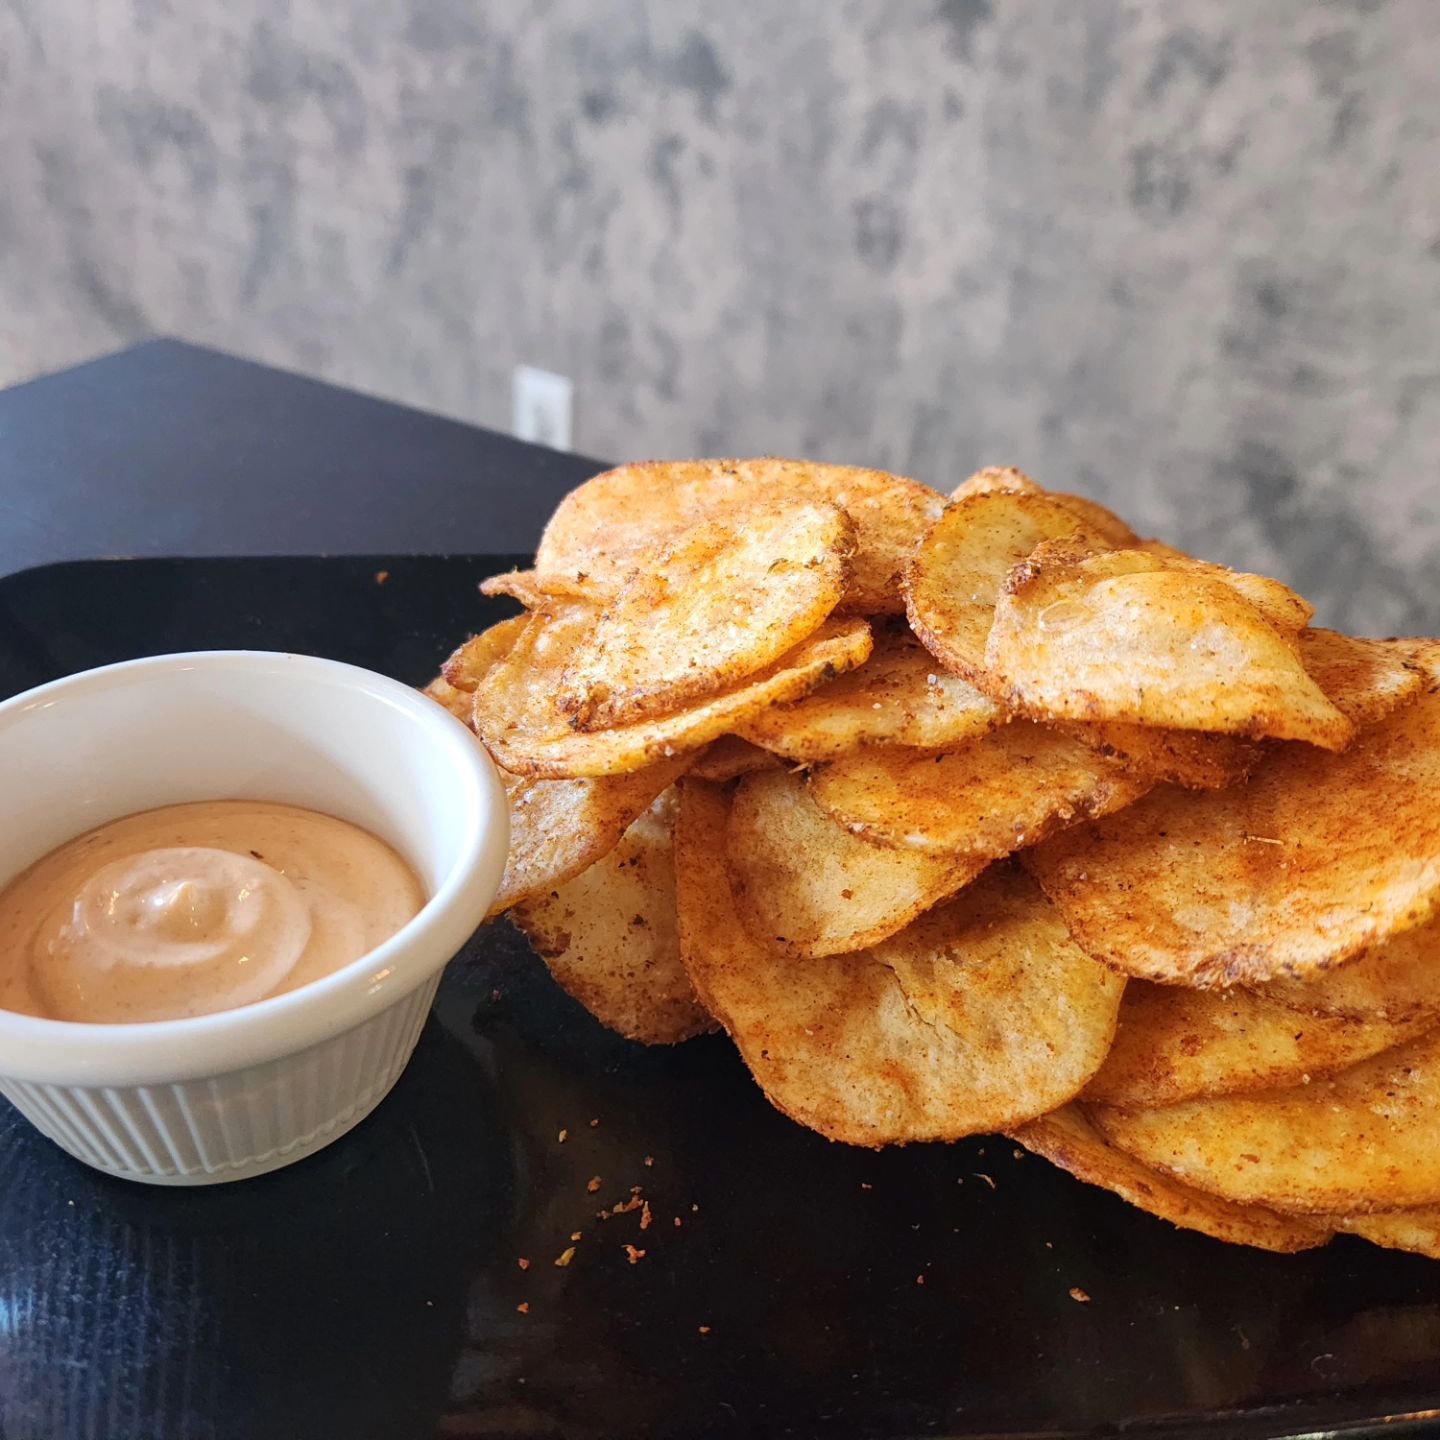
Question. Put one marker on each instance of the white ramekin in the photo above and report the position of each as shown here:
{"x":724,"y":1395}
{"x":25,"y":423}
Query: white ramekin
{"x":226,"y":1096}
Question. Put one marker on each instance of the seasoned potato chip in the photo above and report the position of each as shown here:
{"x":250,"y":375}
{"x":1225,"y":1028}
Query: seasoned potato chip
{"x":1108,"y":525}
{"x":1363,"y":679}
{"x":1124,"y":636}
{"x":474,"y":660}
{"x":899,"y":696}
{"x":1316,"y":858}
{"x":1357,"y":1142}
{"x":1177,"y":1044}
{"x":954,"y":580}
{"x":458,"y":702}
{"x":1196,"y":759}
{"x":560,"y":827}
{"x":805,"y":885}
{"x":1396,"y":981}
{"x":729,"y":757}
{"x":600,"y":530}
{"x":1067,"y":1139}
{"x":919,"y":1041}
{"x":517,"y":716}
{"x":1287,"y":611}
{"x":526,"y":587}
{"x":609,"y":936}
{"x":725,"y":599}
{"x":1416,"y":1230}
{"x":995,"y":795}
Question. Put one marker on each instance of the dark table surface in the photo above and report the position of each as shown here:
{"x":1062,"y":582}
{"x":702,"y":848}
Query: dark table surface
{"x":171,"y":449}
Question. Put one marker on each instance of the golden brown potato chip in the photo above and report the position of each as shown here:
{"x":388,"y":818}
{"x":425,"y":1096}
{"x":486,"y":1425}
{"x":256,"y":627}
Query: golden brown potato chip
{"x":954,"y":579}
{"x":1357,"y":1142}
{"x":730,"y":757}
{"x":805,"y":885}
{"x":1108,"y":525}
{"x":610,"y":939}
{"x":1416,"y":1230}
{"x":1286,"y":610}
{"x":726,"y":598}
{"x":526,"y":587}
{"x":600,"y":529}
{"x":1396,"y":981}
{"x":1192,"y":758}
{"x":474,"y":660}
{"x":1178,"y":1044}
{"x":924,"y":1041}
{"x":1067,"y":1139}
{"x":458,"y":702}
{"x":993,"y":796}
{"x":517,"y":716}
{"x":1316,"y":858}
{"x":560,"y":827}
{"x":1363,"y":679}
{"x":900,"y":696}
{"x":1123,"y":635}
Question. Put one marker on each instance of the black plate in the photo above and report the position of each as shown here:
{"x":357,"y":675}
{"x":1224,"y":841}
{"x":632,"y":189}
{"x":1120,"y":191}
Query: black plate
{"x":375,"y":1289}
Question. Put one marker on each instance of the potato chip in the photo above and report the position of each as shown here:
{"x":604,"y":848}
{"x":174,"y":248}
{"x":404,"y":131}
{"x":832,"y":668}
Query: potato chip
{"x":1357,"y":1142}
{"x":1196,"y":759}
{"x":1416,"y":1230}
{"x":1281,"y":606}
{"x":1108,"y":525}
{"x":1123,"y":636}
{"x":1396,"y":981}
{"x":954,"y":579}
{"x":993,"y":796}
{"x":458,"y":702}
{"x":918,"y":1042}
{"x":1363,"y":679}
{"x":600,"y":530}
{"x":1318,"y":857}
{"x":560,"y":827}
{"x":1067,"y":1139}
{"x":900,"y":696}
{"x":807,"y":886}
{"x":526,"y":587}
{"x":727,"y":598}
{"x":517,"y":717}
{"x":609,"y":936}
{"x":729,"y":757}
{"x":1178,"y":1044}
{"x":473,"y":661}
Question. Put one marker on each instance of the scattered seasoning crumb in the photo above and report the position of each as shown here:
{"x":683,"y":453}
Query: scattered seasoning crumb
{"x":1019,"y":1153}
{"x":633,"y":1255}
{"x":523,"y":1263}
{"x":694,"y":1209}
{"x":1076,"y":1293}
{"x":594,"y":1184}
{"x":678,"y":1222}
{"x":624,"y":1207}
{"x":496,"y":996}
{"x":1049,"y":1244}
{"x":381,"y":576}
{"x":980,"y":1175}
{"x":523,"y":1307}
{"x":704,"y":1329}
{"x":646,"y":1218}
{"x":574,"y":1234}
{"x":649,"y":1161}
{"x":919,"y":1279}
{"x":430,"y":1305}
{"x":563,"y":1136}
{"x":564,"y":1257}
{"x":594,"y":1123}
{"x":866,"y":1185}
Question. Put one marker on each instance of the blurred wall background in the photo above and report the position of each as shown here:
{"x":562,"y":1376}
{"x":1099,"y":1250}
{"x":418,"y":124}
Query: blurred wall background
{"x":1183,"y":254}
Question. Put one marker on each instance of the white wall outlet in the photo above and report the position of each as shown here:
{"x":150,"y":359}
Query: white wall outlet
{"x":544,"y":407}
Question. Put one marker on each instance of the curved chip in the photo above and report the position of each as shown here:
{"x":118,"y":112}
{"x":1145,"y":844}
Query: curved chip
{"x":918,"y":1042}
{"x":1196,"y":759}
{"x":805,"y":885}
{"x":517,"y":716}
{"x":609,"y":936}
{"x":1177,"y":1044}
{"x":471,"y":662}
{"x":1281,"y":606}
{"x":1364,"y":679}
{"x":1414,"y":1230}
{"x":1397,"y":981}
{"x":726,"y":598}
{"x":730,"y":757}
{"x":954,"y":579}
{"x":602,"y":528}
{"x":993,"y":796}
{"x":898,"y":697}
{"x":1318,"y":857}
{"x":458,"y":702}
{"x":560,"y":827}
{"x":1106,"y":523}
{"x":1125,"y":635}
{"x":527,"y":587}
{"x":1067,"y":1139}
{"x":1358,"y":1142}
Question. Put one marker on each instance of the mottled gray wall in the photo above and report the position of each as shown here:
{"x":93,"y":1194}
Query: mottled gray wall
{"x":1184,"y":254}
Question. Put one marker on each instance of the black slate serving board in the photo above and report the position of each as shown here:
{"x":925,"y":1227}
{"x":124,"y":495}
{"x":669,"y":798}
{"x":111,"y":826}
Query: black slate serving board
{"x":374,"y":1290}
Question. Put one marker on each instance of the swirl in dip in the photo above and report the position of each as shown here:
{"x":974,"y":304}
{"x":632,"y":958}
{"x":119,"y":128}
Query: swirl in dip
{"x":195,"y":908}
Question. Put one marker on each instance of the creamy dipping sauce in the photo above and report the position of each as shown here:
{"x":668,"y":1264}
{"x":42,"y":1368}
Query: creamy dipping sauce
{"x":191,"y":909}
